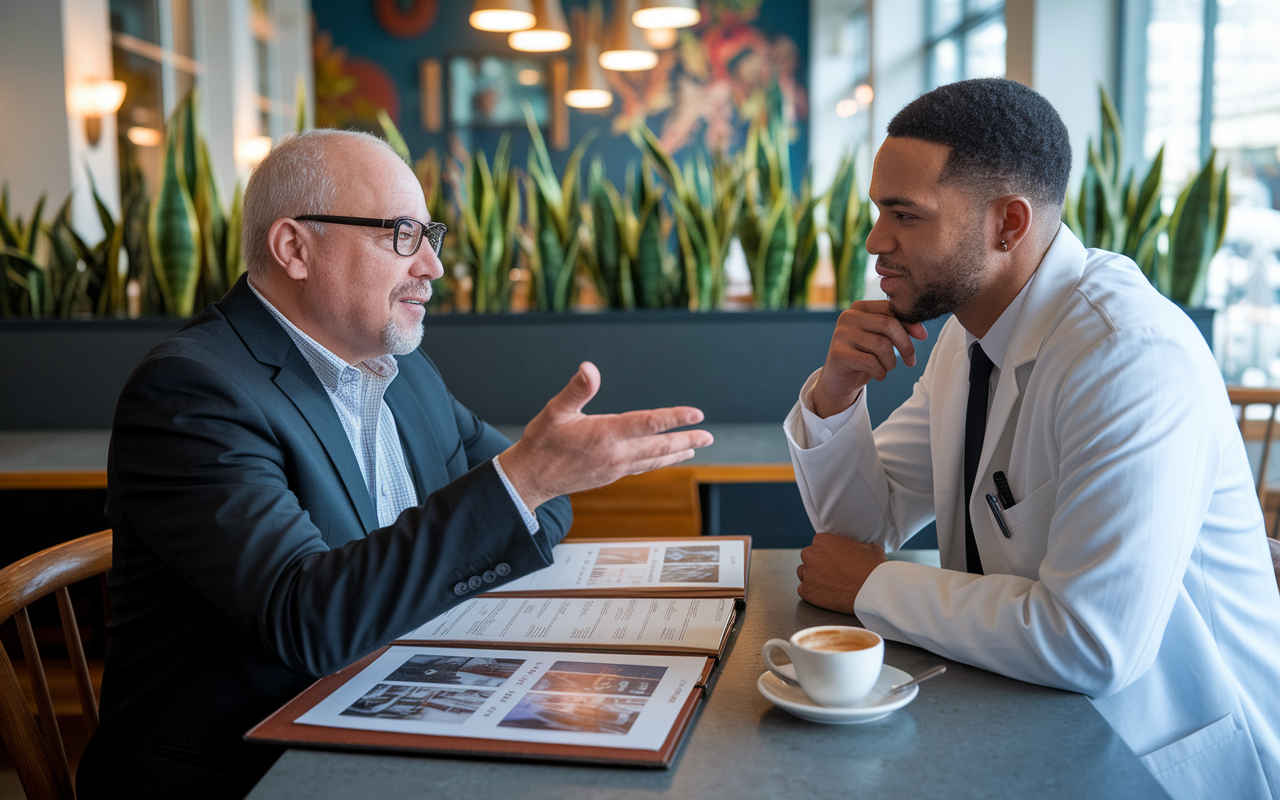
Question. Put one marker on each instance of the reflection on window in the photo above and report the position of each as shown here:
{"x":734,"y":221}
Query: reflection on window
{"x":153,"y":53}
{"x":966,"y":40}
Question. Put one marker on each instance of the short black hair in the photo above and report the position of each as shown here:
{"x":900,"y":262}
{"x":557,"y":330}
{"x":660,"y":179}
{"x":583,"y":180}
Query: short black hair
{"x":1004,"y":137}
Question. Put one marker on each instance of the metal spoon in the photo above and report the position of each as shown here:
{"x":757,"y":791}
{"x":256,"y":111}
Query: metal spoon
{"x":921,"y":678}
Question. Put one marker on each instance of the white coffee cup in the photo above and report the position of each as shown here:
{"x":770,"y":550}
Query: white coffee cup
{"x":836,"y":665}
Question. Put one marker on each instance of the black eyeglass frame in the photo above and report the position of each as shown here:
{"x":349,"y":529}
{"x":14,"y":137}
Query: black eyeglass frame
{"x":429,"y":229}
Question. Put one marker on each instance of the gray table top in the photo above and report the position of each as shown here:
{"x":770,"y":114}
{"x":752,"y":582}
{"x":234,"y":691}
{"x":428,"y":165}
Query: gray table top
{"x":54,"y":450}
{"x":30,"y":451}
{"x":969,"y":734}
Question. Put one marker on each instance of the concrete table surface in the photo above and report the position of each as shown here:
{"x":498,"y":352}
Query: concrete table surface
{"x":969,"y":734}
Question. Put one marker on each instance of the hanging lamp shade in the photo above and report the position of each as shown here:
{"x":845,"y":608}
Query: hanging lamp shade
{"x":549,"y":34}
{"x":502,"y":15}
{"x":661,"y":38}
{"x":667,"y":14}
{"x":625,"y":49}
{"x":588,"y":87}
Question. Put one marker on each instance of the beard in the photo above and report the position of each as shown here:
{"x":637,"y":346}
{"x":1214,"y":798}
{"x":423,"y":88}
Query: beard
{"x":400,"y":339}
{"x":957,"y":279}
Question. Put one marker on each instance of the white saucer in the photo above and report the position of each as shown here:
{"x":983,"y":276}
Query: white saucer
{"x":793,"y":700}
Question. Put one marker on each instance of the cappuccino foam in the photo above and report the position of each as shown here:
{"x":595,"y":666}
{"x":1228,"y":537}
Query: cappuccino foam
{"x":839,"y":641}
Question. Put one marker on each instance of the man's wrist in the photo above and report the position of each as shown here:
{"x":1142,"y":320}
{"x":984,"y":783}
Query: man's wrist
{"x":518,"y":474}
{"x":827,"y":405}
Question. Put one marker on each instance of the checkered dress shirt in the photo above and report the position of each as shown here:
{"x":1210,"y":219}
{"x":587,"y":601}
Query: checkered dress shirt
{"x":357,"y":395}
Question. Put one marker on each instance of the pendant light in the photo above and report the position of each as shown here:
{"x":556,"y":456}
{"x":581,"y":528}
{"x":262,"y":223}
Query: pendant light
{"x":661,"y":38}
{"x":549,"y":34}
{"x":667,"y":14}
{"x":587,"y":85}
{"x":502,"y":15}
{"x":625,"y":49}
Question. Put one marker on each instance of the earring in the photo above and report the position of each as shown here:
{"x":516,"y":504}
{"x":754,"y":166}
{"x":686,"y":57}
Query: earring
{"x":1004,"y":245}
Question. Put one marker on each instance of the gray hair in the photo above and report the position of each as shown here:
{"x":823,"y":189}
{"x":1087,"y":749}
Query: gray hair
{"x":294,"y":179}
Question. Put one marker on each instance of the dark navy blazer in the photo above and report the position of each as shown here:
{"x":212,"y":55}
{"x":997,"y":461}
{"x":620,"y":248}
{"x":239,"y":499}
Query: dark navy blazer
{"x":248,"y":560}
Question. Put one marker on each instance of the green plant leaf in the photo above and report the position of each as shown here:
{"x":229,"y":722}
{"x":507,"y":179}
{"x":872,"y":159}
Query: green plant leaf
{"x":392,"y":134}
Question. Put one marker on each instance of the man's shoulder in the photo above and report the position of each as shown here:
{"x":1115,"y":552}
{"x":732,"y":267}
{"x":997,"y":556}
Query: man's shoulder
{"x":1113,"y":303}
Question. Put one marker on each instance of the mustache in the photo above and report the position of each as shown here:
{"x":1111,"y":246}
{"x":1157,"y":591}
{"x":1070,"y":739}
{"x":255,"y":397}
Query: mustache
{"x":412,"y":289}
{"x":881,"y":261}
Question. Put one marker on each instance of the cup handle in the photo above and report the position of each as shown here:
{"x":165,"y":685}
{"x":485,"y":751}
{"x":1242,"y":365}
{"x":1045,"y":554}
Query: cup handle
{"x":766,"y":652}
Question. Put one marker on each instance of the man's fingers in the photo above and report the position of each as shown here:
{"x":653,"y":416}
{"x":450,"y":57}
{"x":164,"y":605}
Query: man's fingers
{"x":656,"y":420}
{"x":578,"y":392}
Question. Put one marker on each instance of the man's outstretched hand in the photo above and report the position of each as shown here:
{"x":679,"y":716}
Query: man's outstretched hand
{"x":564,"y":450}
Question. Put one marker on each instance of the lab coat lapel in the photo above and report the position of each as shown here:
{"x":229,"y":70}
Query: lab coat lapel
{"x":1052,"y":283}
{"x":948,"y":460}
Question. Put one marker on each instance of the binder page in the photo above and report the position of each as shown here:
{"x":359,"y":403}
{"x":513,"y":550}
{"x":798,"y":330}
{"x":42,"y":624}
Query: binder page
{"x":621,"y":623}
{"x":597,"y":699}
{"x":696,"y":564}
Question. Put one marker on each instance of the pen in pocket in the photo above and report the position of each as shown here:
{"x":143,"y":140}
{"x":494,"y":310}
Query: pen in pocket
{"x":999,"y":513}
{"x":1002,"y":486}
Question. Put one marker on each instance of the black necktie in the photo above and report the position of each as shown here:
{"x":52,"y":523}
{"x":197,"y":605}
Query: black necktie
{"x":975,"y":427}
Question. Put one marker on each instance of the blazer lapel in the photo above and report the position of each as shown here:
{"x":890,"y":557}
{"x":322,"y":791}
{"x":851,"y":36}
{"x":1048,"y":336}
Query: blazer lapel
{"x":424,"y":452}
{"x":271,"y":345}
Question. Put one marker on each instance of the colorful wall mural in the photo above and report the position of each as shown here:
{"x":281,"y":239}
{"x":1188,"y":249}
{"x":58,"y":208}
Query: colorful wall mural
{"x":699,"y":98}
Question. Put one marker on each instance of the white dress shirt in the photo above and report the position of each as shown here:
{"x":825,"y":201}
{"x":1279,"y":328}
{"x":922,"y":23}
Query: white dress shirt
{"x":357,"y":395}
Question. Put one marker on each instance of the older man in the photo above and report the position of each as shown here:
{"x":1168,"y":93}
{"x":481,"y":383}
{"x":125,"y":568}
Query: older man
{"x":292,"y":485}
{"x":1071,"y":434}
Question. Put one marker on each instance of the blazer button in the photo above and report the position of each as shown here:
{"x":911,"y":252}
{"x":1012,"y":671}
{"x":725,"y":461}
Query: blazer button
{"x":460,"y":588}
{"x":475,"y":582}
{"x":503,"y":569}
{"x":489,"y":576}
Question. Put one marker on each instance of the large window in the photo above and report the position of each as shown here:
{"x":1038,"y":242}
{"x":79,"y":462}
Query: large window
{"x":1222,"y":94}
{"x":966,"y":39}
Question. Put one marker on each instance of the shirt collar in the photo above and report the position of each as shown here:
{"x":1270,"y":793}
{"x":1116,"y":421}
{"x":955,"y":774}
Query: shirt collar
{"x":996,"y":343}
{"x":328,"y":367}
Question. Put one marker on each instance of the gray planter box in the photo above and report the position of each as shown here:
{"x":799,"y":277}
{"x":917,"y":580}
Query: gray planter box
{"x":738,"y":367}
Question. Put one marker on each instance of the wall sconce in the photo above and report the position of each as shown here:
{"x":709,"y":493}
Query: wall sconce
{"x":94,"y":98}
{"x":587,"y":85}
{"x":667,"y":14}
{"x":549,"y":34}
{"x":625,"y":49}
{"x":252,"y":149}
{"x":502,"y":16}
{"x":145,"y":137}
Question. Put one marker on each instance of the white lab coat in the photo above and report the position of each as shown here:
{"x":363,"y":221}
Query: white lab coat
{"x":1137,"y":571}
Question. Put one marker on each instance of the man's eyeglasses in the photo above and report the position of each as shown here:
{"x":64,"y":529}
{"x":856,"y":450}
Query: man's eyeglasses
{"x":408,"y":232}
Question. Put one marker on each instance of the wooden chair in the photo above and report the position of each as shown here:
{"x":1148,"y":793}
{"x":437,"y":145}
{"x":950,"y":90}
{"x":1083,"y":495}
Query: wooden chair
{"x":34,"y":741}
{"x":662,"y":503}
{"x":1243,"y":397}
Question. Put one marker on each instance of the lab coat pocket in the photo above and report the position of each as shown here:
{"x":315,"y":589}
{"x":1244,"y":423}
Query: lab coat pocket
{"x":1028,"y":524}
{"x":1219,"y":760}
{"x":1033,"y":505}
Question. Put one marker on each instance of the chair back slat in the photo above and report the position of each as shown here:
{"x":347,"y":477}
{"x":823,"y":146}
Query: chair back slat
{"x":47,"y":720}
{"x":22,"y":740}
{"x":79,"y":664}
{"x":34,"y":742}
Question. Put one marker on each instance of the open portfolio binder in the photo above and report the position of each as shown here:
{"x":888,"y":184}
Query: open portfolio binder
{"x":600,"y":658}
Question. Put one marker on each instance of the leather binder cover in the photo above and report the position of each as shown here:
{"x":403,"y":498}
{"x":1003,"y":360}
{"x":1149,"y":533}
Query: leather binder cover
{"x":649,"y":591}
{"x":280,"y":729}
